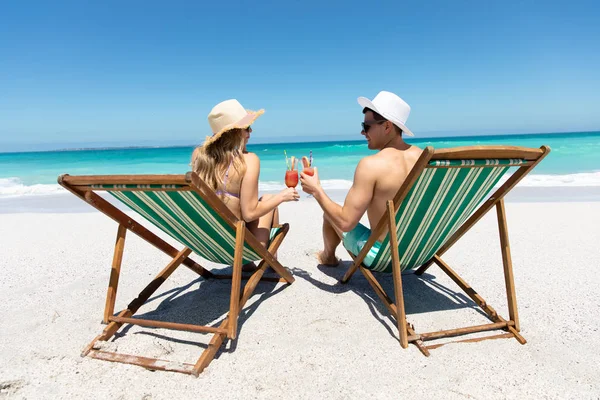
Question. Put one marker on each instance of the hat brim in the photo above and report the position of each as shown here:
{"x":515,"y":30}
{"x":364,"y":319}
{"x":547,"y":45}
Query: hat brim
{"x":366,"y":103}
{"x":241,"y":124}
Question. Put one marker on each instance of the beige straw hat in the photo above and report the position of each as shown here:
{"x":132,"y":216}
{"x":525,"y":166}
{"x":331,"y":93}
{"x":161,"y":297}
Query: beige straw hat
{"x":229,"y":115}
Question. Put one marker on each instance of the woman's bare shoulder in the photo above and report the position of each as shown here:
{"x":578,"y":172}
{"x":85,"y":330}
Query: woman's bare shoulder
{"x":251,"y":158}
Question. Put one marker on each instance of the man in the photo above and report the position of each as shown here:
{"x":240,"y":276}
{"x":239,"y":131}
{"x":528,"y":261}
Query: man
{"x":376,"y":180}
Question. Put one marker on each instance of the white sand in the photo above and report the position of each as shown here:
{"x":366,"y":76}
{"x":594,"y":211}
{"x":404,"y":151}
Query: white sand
{"x":315,"y":338}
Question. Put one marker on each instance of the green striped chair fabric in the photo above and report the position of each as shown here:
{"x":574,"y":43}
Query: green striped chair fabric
{"x":186,"y":217}
{"x":438,"y":203}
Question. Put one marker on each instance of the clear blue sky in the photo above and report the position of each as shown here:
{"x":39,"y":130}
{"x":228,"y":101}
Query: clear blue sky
{"x":144,"y":72}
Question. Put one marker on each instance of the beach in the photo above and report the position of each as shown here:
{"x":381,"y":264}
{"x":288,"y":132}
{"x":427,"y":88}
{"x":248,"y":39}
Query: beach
{"x":315,"y":338}
{"x":138,"y":141}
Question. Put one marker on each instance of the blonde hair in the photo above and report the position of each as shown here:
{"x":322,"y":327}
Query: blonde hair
{"x":211,"y":162}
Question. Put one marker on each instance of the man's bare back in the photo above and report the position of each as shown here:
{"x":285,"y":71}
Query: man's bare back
{"x":377,"y":178}
{"x":389,"y":168}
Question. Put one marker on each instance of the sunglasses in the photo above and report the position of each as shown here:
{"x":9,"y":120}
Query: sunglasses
{"x":368,"y":124}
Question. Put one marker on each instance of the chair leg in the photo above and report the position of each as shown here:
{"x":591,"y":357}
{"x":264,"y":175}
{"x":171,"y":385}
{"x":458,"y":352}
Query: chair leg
{"x":113,"y":283}
{"x":223,"y":331}
{"x":399,"y":296}
{"x":476,"y":297}
{"x":144,"y":295}
{"x":480,"y":301}
{"x":507,"y":263}
{"x":217,"y":340}
{"x":392,"y":308}
{"x":119,"y":216}
{"x":421,"y":270}
{"x":271,"y":261}
{"x":396,"y":273}
{"x":236,"y":282}
{"x":349,"y":273}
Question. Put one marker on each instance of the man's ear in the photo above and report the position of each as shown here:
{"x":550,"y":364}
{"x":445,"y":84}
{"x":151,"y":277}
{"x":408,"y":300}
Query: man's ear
{"x":389,"y":127}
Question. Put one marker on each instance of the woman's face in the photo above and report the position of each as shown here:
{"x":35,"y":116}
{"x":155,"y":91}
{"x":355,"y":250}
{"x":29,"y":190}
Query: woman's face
{"x":246,"y":132}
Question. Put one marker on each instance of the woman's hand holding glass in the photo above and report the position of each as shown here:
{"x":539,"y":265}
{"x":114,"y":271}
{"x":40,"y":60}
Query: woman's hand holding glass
{"x":289,"y":194}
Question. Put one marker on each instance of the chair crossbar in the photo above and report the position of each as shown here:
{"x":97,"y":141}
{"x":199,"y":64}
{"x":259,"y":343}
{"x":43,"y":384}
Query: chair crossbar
{"x":151,"y":364}
{"x":167,"y":325}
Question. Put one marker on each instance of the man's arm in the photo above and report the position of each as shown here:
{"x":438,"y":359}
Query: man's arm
{"x":357,"y":201}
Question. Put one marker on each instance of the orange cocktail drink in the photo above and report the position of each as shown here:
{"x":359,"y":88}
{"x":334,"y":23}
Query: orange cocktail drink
{"x":291,"y":178}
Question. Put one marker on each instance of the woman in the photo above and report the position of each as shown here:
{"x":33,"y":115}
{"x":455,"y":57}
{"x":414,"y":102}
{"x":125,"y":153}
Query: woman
{"x":226,"y":166}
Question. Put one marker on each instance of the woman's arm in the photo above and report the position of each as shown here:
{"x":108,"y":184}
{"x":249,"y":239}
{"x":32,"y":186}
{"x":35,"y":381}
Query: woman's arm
{"x":250,"y":206}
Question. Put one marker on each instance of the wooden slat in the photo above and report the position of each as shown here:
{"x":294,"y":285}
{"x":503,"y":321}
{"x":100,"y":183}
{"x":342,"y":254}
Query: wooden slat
{"x":246,"y":277}
{"x":178,"y":179}
{"x":487,"y":152}
{"x":149,"y":363}
{"x":463,"y":331}
{"x":167,"y":325}
{"x":472,"y":340}
{"x":113,"y":283}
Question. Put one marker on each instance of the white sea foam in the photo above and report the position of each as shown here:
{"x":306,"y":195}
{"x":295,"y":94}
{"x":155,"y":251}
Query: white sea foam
{"x":14,"y":187}
{"x":567,"y":180}
{"x":271,"y":186}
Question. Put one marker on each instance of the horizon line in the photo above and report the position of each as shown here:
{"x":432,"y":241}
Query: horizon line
{"x":409,"y":139}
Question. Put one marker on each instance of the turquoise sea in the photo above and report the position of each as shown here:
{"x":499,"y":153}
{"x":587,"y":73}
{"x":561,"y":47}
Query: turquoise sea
{"x":574,"y":161}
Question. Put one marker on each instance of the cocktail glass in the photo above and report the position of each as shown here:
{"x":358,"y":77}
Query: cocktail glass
{"x":291,"y":178}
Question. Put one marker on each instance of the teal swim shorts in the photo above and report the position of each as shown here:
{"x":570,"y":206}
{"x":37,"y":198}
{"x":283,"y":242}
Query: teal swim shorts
{"x":356,"y":239}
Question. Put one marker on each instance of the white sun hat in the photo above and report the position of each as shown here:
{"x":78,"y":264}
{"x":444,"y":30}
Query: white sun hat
{"x":389,"y":106}
{"x":228,"y":115}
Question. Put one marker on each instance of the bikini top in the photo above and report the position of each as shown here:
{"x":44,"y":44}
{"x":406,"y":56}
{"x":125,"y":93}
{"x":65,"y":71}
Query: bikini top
{"x":225,"y":179}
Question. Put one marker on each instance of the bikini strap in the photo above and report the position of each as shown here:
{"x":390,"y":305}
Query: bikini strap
{"x":227,"y":174}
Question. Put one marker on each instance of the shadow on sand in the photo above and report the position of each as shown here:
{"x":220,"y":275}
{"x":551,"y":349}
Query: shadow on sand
{"x":422,"y":294}
{"x":201,"y":302}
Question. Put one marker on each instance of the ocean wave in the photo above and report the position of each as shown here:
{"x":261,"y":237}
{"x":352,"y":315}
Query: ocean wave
{"x":348,"y":146}
{"x":567,"y":180}
{"x":14,"y":187}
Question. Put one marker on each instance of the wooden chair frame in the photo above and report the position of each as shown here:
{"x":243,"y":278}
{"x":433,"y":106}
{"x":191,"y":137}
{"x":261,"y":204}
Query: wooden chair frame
{"x":388,"y":223}
{"x":82,"y":187}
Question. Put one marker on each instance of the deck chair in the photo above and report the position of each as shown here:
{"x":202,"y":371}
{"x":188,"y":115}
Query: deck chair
{"x":436,"y":205}
{"x":185,"y":208}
